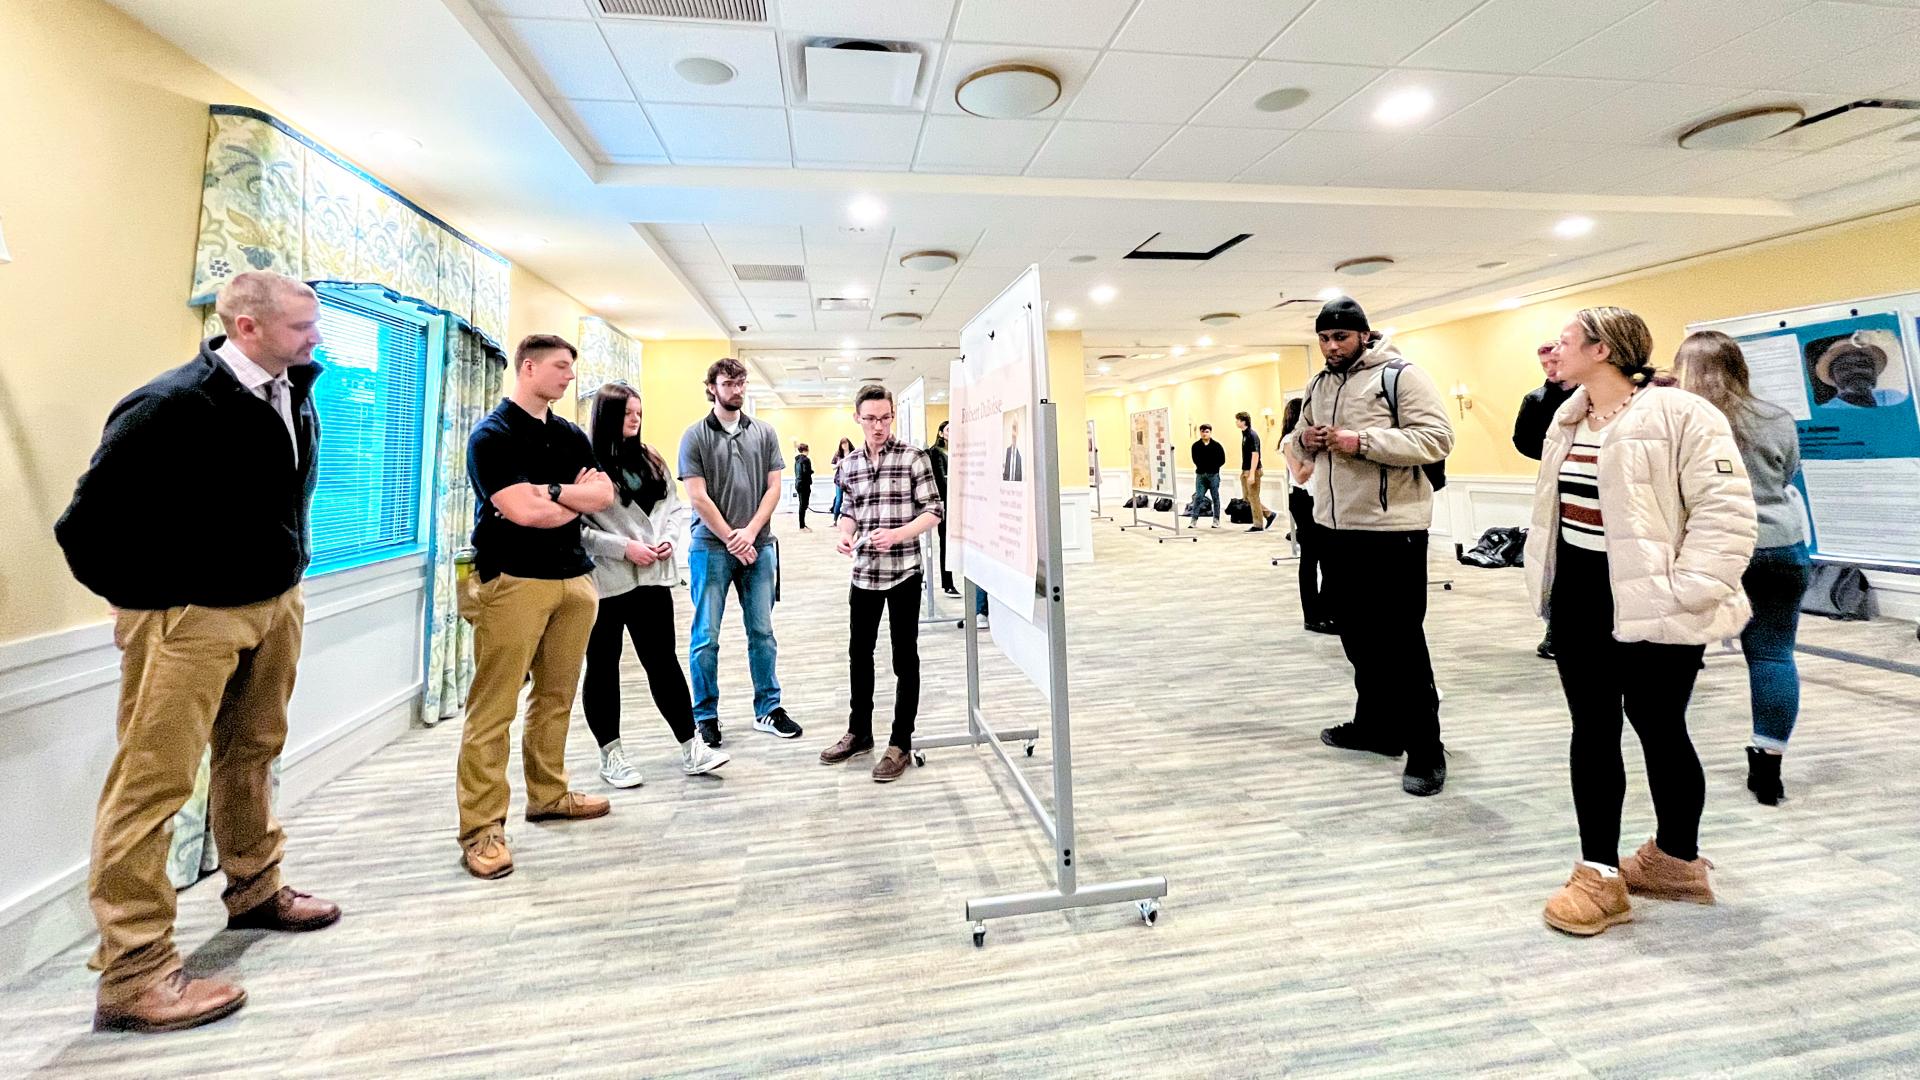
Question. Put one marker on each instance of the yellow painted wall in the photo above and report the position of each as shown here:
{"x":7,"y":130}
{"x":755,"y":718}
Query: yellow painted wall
{"x":1494,"y":354}
{"x":101,"y":149}
{"x":1067,"y":386}
{"x":538,"y":308}
{"x":1214,"y":400}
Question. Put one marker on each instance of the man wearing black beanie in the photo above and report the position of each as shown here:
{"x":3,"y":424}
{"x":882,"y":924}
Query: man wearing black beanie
{"x":1373,"y":424}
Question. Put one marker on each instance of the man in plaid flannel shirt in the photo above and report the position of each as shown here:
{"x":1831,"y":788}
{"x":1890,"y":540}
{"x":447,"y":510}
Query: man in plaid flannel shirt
{"x":891,"y":499}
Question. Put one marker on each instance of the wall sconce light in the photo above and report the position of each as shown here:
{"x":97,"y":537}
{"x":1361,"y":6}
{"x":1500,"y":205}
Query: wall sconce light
{"x":5,"y":256}
{"x":1461,"y":397}
{"x":1267,"y":413}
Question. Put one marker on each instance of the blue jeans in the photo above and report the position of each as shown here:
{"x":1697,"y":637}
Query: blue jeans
{"x":712,"y":570}
{"x":1775,"y":581}
{"x":1208,"y":483}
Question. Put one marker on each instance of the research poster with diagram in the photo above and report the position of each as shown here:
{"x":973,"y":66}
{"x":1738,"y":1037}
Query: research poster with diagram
{"x":1150,"y":450}
{"x":1847,"y":373}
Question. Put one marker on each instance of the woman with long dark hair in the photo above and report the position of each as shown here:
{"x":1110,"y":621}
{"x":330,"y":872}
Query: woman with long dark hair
{"x":839,"y":458}
{"x":635,"y":571}
{"x":1306,"y":532}
{"x":1711,"y":365}
{"x":1642,"y":526}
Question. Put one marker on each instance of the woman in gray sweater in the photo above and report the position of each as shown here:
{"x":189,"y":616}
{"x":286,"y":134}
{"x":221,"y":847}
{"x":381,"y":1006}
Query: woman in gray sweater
{"x":1711,"y":365}
{"x":635,"y":571}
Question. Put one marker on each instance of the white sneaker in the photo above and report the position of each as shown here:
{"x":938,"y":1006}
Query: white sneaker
{"x":697,"y":758}
{"x":615,"y":769}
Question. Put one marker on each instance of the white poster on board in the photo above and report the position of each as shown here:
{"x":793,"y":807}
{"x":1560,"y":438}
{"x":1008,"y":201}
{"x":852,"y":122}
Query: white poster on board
{"x":1150,"y":450}
{"x":1093,"y":458}
{"x":910,"y":414}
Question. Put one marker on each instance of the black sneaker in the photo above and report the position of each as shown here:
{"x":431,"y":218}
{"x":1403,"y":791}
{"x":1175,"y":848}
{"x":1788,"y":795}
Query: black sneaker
{"x":1426,"y":773}
{"x":1350,"y":736}
{"x":778,"y":723}
{"x":1324,"y":626}
{"x":1270,"y":516}
{"x":709,"y":731}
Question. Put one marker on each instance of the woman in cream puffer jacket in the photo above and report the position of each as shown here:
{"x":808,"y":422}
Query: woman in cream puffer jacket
{"x":1643,"y":524}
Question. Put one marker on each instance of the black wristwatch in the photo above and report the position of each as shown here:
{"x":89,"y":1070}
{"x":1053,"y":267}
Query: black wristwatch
{"x":553,"y":492}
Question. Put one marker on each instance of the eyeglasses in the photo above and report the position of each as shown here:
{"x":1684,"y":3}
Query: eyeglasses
{"x":876,"y":419}
{"x":733,"y":384}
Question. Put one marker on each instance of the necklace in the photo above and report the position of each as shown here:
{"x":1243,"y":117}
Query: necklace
{"x":1598,"y":420}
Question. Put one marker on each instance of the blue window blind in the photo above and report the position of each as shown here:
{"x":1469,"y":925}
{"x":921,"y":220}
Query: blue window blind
{"x":371,"y":400}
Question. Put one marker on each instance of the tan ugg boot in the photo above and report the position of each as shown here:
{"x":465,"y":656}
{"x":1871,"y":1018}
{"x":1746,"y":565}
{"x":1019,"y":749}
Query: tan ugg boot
{"x":1589,"y":902}
{"x":1652,"y":872}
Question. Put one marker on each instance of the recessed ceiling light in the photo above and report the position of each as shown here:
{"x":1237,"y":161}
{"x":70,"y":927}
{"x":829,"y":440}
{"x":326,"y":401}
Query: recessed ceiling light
{"x":610,"y":301}
{"x":1220,"y":318}
{"x":1205,"y":342}
{"x":1573,"y":226}
{"x":900,"y":318}
{"x":1178,"y":350}
{"x":1065,"y":316}
{"x":1004,"y":91}
{"x":1105,"y":368}
{"x":845,"y":367}
{"x":1493,"y":265}
{"x":1082,"y":258}
{"x":1102,"y":294}
{"x":1173,"y":382}
{"x":1389,"y":331}
{"x":855,"y":289}
{"x":1361,"y":267}
{"x":849,"y":344}
{"x":1148,"y":355}
{"x":1508,"y":304}
{"x":396,"y":142}
{"x":929,"y":262}
{"x":1404,"y":107}
{"x":1219,"y":371}
{"x":1332,"y":292}
{"x":866,"y":210}
{"x":1742,"y":128}
{"x":704,"y":70}
{"x":1287,"y":97}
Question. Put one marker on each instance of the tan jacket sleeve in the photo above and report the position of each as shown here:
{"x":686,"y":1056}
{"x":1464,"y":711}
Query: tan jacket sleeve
{"x":1721,"y":525}
{"x":1424,"y":435}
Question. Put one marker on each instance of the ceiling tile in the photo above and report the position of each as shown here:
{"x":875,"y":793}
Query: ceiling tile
{"x":542,"y":9}
{"x":1664,"y":34}
{"x":1533,"y":105}
{"x":1209,"y":154}
{"x":1868,"y":72}
{"x":1451,"y":90}
{"x":1807,"y":38}
{"x":1150,"y":88}
{"x":1512,"y":35}
{"x":894,"y":20}
{"x":1206,"y":27}
{"x":1366,"y":31}
{"x":823,"y":137}
{"x":1085,"y":23}
{"x":648,"y":52}
{"x":1651,"y":112}
{"x":568,"y":59}
{"x":1700,"y":169}
{"x":1613,"y":166}
{"x":722,"y":134}
{"x":1088,"y":149}
{"x":1327,"y":85}
{"x":970,"y":144}
{"x":617,"y":128}
{"x":1070,"y":66}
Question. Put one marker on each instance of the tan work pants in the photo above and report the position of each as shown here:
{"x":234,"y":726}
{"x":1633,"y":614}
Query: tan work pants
{"x":189,"y":675}
{"x":1250,"y":488}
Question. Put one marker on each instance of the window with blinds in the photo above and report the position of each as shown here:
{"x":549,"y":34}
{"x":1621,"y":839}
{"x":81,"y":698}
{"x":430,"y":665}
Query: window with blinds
{"x":372,"y":401}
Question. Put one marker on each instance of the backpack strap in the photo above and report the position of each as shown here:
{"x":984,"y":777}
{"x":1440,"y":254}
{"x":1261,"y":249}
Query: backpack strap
{"x":1390,"y":387}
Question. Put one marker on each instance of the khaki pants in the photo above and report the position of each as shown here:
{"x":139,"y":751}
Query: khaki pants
{"x":1250,"y":490}
{"x":521,"y":625}
{"x":189,"y":675}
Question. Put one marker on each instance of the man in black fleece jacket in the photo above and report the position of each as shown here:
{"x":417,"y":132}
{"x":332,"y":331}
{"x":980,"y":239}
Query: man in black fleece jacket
{"x":1530,"y":432}
{"x":212,"y":466}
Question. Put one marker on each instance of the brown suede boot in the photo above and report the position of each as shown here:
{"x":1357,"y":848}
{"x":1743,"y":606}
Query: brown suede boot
{"x":175,"y":1003}
{"x":1589,"y":902}
{"x":487,"y":855}
{"x":1652,"y":872}
{"x":573,"y":806}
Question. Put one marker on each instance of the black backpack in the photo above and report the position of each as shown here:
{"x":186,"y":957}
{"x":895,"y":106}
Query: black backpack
{"x":1436,"y":471}
{"x":1239,"y":512}
{"x":1836,"y":591}
{"x":1498,"y":547}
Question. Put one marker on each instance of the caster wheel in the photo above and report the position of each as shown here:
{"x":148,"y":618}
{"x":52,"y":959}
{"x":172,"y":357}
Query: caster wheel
{"x":919,"y":759}
{"x":1448,"y":586}
{"x":980,"y":936}
{"x":1029,"y":749}
{"x":1149,"y":911}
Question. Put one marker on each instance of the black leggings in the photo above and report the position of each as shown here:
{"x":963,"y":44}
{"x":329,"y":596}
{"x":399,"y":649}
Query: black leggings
{"x":902,"y":604}
{"x":1652,"y":683}
{"x":646,"y":615}
{"x":801,"y":494}
{"x":1308,"y":534}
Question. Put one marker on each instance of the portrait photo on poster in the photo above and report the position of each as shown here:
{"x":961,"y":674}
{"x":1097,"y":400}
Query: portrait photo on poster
{"x":1013,"y":424}
{"x":1861,"y":369}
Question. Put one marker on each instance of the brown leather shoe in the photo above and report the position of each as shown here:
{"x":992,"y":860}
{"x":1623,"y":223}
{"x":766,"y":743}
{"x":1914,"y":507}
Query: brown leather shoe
{"x":175,"y":1003}
{"x":573,"y":806}
{"x":289,"y":909}
{"x":1652,"y":872}
{"x":890,"y":766}
{"x":1589,"y":903}
{"x":487,"y":855}
{"x":847,"y":747}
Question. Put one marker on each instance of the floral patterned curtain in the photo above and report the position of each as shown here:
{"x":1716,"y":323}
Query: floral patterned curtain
{"x":606,"y":355}
{"x":470,"y":385}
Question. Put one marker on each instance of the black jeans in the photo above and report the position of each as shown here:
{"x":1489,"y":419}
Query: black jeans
{"x":1307,"y":533}
{"x":1375,"y":590}
{"x":1602,"y":677}
{"x":646,"y":615}
{"x":902,"y":604}
{"x":946,"y":574}
{"x":801,"y":494}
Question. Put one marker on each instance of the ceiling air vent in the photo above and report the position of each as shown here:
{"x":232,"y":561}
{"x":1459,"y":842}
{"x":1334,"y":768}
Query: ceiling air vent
{"x":845,"y":303}
{"x":745,"y":11}
{"x":769,"y":272}
{"x":870,"y":73}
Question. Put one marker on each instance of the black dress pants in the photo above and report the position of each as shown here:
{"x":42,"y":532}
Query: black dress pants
{"x":902,"y":606}
{"x":1375,"y":590}
{"x":646,"y":615}
{"x":801,"y":494}
{"x":1307,"y":534}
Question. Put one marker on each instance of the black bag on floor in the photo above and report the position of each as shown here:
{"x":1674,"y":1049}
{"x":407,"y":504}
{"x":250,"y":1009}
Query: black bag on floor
{"x":1498,"y":547}
{"x":1239,"y":512}
{"x":1201,"y":505}
{"x":1836,"y":591}
{"x":1163,"y":504}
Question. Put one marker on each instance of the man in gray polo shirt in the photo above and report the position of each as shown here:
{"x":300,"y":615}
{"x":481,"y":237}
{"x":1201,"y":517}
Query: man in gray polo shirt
{"x":731,"y":464}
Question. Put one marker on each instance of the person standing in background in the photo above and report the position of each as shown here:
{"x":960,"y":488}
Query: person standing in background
{"x":1306,"y":532}
{"x":802,"y":482}
{"x":1209,"y":458}
{"x":531,"y":600}
{"x":1530,"y":429}
{"x":1250,"y":472}
{"x":208,"y":616}
{"x":937,"y":454}
{"x":839,"y":493}
{"x":1711,"y":365}
{"x":635,"y":571}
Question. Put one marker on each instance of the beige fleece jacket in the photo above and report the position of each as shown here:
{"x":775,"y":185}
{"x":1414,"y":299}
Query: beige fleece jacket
{"x":1380,"y":489}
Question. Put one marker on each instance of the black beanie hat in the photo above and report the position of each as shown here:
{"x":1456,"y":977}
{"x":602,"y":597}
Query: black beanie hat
{"x":1342,"y":313}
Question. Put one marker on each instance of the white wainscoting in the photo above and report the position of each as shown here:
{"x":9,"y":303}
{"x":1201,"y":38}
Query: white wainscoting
{"x":359,"y":687}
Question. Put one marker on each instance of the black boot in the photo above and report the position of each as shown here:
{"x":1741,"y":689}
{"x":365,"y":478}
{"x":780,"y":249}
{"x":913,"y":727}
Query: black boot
{"x":1763,"y":776}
